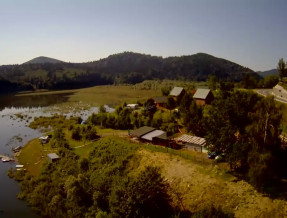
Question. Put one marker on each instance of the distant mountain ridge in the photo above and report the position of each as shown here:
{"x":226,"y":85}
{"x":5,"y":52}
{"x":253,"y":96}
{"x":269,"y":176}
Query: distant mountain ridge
{"x":43,"y":60}
{"x":122,"y":68}
{"x":268,"y":72}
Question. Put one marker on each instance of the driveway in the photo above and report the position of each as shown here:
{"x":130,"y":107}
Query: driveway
{"x":266,"y":92}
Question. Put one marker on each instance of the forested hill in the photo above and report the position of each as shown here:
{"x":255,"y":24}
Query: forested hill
{"x":42,"y":60}
{"x":126,"y":67}
{"x":268,"y":72}
{"x":193,"y":67}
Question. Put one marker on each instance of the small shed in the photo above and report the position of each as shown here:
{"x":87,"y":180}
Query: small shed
{"x":203,"y":96}
{"x":53,"y":157}
{"x":190,"y":142}
{"x":160,"y":101}
{"x":161,"y":140}
{"x":177,"y":92}
{"x":142,"y":131}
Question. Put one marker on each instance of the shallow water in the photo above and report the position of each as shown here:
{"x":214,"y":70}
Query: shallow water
{"x":14,"y":131}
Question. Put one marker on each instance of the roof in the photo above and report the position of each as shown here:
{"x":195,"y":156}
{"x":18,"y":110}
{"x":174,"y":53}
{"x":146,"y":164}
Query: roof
{"x":53,"y":156}
{"x":201,"y":93}
{"x":152,"y":134}
{"x":44,"y":137}
{"x":176,"y":91}
{"x":142,"y":131}
{"x":191,"y":139}
{"x":162,"y":136}
{"x":160,"y":99}
{"x":132,"y":105}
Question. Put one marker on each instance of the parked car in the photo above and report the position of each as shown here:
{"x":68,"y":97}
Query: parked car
{"x":212,"y":155}
{"x":220,"y":158}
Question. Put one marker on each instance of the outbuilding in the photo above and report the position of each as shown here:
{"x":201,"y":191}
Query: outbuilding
{"x":160,"y":101}
{"x":177,"y":93}
{"x":141,"y":131}
{"x":158,"y":137}
{"x":53,"y":157}
{"x":203,"y":96}
{"x":190,"y":142}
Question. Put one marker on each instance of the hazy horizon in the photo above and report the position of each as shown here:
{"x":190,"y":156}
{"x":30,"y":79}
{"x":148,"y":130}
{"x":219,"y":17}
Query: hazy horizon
{"x":250,"y":33}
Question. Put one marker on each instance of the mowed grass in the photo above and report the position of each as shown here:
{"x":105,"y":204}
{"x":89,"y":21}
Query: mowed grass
{"x":34,"y":155}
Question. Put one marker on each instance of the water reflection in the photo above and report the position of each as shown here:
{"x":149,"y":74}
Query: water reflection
{"x":32,"y":100}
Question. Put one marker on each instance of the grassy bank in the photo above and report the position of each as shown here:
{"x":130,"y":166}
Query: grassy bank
{"x":33,"y":156}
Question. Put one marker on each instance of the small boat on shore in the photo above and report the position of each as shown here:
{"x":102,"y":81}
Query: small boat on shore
{"x":17,"y":149}
{"x":6,"y":158}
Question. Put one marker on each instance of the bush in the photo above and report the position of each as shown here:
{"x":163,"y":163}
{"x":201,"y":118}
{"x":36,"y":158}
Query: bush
{"x":212,"y":212}
{"x":91,"y":133}
{"x":76,"y":134}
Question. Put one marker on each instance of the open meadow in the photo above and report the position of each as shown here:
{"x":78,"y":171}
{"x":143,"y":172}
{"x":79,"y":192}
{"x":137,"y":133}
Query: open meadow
{"x":113,"y":95}
{"x":102,"y":95}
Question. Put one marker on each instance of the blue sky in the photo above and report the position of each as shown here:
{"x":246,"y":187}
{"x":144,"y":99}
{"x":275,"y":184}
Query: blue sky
{"x":252,"y":33}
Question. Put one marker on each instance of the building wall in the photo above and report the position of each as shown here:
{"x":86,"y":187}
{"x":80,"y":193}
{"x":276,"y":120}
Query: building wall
{"x":161,"y":142}
{"x":200,"y":101}
{"x":209,"y":98}
{"x":193,"y":147}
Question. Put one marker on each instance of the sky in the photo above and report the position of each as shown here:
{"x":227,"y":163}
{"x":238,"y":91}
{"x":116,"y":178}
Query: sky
{"x":252,"y":33}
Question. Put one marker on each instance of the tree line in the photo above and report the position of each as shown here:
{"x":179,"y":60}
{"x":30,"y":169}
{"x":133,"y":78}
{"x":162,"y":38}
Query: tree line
{"x":246,"y":128}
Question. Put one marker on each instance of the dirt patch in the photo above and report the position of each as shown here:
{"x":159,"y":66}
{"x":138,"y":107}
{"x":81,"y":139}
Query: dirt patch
{"x":194,"y":187}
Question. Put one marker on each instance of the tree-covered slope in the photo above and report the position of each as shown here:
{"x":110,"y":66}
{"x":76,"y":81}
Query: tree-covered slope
{"x":268,"y":72}
{"x":126,"y":67}
{"x":193,"y":67}
{"x":42,"y":60}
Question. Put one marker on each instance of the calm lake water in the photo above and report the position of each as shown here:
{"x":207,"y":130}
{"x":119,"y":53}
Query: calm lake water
{"x":14,"y":131}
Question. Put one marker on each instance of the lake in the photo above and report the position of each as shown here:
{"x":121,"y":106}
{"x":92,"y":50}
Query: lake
{"x":16,"y":112}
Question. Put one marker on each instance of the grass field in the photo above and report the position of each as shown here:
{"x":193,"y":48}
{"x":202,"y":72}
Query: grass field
{"x":199,"y":185}
{"x":103,"y":95}
{"x":114,"y":95}
{"x":34,"y":155}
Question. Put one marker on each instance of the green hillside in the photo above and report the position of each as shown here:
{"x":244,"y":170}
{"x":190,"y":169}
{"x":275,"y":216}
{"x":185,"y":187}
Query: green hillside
{"x":42,"y":60}
{"x":127,"y":67}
